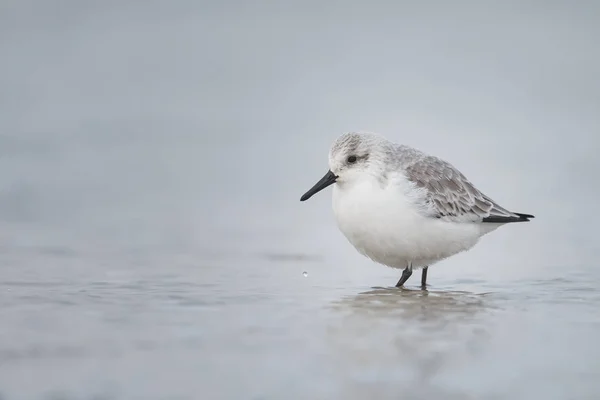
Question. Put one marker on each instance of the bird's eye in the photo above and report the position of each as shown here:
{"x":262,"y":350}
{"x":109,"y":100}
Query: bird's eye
{"x":352,"y":159}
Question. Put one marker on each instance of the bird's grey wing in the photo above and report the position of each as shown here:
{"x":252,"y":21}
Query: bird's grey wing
{"x":450,"y":194}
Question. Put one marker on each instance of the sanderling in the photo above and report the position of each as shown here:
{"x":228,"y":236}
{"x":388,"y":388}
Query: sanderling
{"x":403,"y":208}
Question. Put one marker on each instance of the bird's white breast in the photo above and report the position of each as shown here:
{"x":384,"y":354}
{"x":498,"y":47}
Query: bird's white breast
{"x":385,"y":224}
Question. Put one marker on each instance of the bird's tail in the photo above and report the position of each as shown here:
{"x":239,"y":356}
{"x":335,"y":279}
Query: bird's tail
{"x":525,"y":217}
{"x":501,"y":219}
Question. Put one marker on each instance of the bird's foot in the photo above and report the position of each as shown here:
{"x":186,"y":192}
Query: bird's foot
{"x":405,"y":275}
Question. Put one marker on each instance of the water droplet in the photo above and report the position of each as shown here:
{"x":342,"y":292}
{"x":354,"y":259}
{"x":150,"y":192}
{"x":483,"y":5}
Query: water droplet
{"x":305,"y":274}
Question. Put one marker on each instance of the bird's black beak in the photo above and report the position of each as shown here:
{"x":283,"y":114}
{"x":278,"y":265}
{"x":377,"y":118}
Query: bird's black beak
{"x":328,"y":179}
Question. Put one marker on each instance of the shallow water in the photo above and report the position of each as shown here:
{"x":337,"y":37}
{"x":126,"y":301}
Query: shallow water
{"x":152,"y":242}
{"x":163,"y":331}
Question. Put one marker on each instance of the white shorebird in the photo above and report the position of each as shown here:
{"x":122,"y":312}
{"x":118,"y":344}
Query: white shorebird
{"x":403,"y":208}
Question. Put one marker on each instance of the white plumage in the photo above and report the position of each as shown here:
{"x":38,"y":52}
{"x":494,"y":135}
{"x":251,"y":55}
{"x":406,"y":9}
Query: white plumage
{"x":403,"y":208}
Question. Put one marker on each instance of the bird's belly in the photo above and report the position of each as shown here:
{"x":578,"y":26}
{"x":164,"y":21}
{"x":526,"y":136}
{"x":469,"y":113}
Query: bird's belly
{"x":390,"y":230}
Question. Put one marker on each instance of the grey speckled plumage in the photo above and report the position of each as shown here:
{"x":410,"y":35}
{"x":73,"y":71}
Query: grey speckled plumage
{"x":449,"y":193}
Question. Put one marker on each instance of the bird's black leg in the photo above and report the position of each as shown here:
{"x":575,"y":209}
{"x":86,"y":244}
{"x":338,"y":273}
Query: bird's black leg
{"x":424,"y":278}
{"x":405,"y":275}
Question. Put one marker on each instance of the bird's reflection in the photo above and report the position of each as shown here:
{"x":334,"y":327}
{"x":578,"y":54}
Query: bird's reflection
{"x":415,"y":303}
{"x":419,"y":334}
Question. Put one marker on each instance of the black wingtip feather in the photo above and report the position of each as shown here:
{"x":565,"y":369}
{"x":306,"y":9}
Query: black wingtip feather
{"x":525,"y":216}
{"x":505,"y":220}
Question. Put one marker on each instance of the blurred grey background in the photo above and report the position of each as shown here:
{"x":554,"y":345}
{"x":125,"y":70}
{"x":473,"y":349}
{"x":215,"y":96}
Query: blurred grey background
{"x":152,"y":156}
